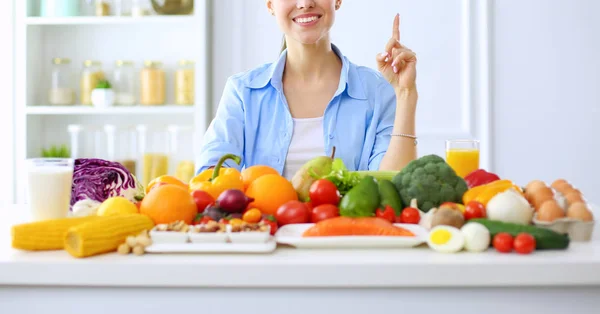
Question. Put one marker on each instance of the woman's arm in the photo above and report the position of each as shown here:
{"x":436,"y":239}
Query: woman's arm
{"x":402,"y":149}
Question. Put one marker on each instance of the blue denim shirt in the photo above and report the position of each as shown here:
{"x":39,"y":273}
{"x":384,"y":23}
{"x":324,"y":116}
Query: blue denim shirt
{"x":254,"y":122}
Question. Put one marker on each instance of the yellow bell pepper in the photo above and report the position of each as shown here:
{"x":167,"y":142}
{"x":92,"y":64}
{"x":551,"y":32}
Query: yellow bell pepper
{"x":215,"y":181}
{"x":484,"y":193}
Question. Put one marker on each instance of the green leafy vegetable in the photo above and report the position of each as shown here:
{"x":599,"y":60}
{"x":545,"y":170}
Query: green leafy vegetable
{"x":103,"y":84}
{"x":56,"y":152}
{"x":343,"y":179}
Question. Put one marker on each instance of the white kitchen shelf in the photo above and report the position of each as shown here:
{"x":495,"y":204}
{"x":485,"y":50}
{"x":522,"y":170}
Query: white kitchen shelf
{"x":109,"y":20}
{"x":133,"y":110}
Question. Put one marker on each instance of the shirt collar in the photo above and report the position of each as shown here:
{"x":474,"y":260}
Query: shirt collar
{"x":349,"y":79}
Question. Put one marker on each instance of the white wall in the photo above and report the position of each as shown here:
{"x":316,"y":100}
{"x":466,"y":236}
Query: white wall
{"x":6,"y":103}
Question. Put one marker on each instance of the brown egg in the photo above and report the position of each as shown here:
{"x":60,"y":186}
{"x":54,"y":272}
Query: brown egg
{"x":561,"y":185}
{"x":533,"y":186}
{"x":550,"y":211}
{"x":579,"y":211}
{"x":573,"y":197}
{"x":542,"y":195}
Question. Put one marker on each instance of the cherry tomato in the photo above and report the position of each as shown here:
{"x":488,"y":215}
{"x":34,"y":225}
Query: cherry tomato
{"x":236,"y":222}
{"x":387,"y":214}
{"x":270,"y":220}
{"x":503,"y":242}
{"x":323,"y":212}
{"x":224,"y":221}
{"x":201,"y":219}
{"x":252,"y":215}
{"x":324,"y":192}
{"x":474,"y":209}
{"x":292,"y":212}
{"x":524,"y":243}
{"x":202,"y":200}
{"x":410,"y":215}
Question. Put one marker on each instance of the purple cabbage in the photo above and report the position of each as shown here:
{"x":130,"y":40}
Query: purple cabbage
{"x":98,"y":179}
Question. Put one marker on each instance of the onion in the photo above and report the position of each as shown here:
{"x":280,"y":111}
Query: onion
{"x":233,"y":201}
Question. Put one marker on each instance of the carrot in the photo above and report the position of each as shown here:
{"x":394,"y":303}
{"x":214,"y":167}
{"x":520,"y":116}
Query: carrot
{"x":347,"y":226}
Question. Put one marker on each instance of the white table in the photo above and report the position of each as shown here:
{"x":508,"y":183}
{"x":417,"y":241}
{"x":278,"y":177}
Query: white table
{"x":303,"y":281}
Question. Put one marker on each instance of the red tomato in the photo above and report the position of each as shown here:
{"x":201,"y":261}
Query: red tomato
{"x":524,"y":243}
{"x":503,"y":242}
{"x":202,"y":200}
{"x":324,"y":192}
{"x":270,"y":220}
{"x":474,"y":209}
{"x":201,"y":219}
{"x":410,"y":215}
{"x":224,"y":221}
{"x":323,"y":212}
{"x":292,"y":212}
{"x":387,"y":214}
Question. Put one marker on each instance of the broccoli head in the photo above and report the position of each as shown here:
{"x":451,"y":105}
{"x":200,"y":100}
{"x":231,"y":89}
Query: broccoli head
{"x":431,"y":181}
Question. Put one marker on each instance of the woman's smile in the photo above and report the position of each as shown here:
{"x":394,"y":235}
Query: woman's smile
{"x":307,"y":20}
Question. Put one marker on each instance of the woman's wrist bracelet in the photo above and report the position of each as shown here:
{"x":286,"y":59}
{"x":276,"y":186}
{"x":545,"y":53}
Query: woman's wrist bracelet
{"x":407,"y":136}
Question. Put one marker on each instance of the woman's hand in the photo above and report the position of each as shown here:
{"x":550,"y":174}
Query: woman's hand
{"x":398,"y":63}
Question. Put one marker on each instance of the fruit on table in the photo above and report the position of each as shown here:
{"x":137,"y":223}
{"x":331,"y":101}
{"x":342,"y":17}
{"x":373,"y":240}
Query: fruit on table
{"x":166,"y":179}
{"x":477,"y":237}
{"x":169,"y":203}
{"x":104,"y":235}
{"x":236,"y":222}
{"x":580,"y":211}
{"x":233,"y":201}
{"x":323,"y":212}
{"x":524,"y":243}
{"x":214,"y":212}
{"x":503,"y":242}
{"x":252,"y":215}
{"x":117,"y":205}
{"x":270,"y":192}
{"x":389,"y":196}
{"x":201,"y":219}
{"x":387,"y":213}
{"x":362,"y":226}
{"x":484,"y":193}
{"x":480,"y":177}
{"x":254,"y":172}
{"x":474,"y":209}
{"x":446,"y":239}
{"x":305,"y":176}
{"x":509,"y":206}
{"x":202,"y":199}
{"x":322,"y":192}
{"x":448,"y":217}
{"x":271,"y":221}
{"x":546,"y":239}
{"x":431,"y":181}
{"x":45,"y":235}
{"x":410,"y":215}
{"x":362,"y":200}
{"x":292,"y":212}
{"x":215,"y":181}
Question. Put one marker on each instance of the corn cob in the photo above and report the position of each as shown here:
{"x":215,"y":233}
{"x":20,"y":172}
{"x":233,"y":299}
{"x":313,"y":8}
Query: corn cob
{"x":105,"y":235}
{"x":45,"y":235}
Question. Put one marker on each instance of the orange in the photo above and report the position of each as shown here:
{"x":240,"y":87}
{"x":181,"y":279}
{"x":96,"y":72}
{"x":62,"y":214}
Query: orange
{"x":166,"y":179}
{"x":254,"y":172}
{"x":269,"y":192}
{"x":169,"y":203}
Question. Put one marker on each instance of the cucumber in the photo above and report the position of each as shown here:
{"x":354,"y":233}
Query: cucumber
{"x":545,"y":239}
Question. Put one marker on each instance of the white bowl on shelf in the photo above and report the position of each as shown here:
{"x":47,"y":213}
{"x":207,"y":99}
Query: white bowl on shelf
{"x":103,"y":97}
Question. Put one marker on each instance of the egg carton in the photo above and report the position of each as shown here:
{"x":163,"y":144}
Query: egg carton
{"x":576,"y":229}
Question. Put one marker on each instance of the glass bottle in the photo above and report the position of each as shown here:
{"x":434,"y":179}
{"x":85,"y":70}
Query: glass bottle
{"x":61,"y":91}
{"x":184,"y":83}
{"x":91,"y":74}
{"x":154,"y":151}
{"x":124,"y":83}
{"x":181,"y":151}
{"x":152,"y":84}
{"x":102,"y":8}
{"x":122,"y":146}
{"x":122,"y":7}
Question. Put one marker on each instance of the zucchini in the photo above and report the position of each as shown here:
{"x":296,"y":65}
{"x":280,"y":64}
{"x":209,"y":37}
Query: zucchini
{"x":545,"y":239}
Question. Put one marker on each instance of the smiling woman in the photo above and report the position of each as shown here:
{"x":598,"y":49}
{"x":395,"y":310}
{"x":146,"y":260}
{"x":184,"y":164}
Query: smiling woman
{"x":313,"y":98}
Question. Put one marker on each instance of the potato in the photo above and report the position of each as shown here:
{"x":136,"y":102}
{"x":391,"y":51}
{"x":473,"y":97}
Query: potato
{"x":448,"y":217}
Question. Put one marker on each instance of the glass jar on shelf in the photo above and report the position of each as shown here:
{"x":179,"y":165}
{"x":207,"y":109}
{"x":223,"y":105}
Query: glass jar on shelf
{"x":124,"y":78}
{"x":122,"y":7}
{"x":181,"y":151}
{"x":87,"y":141}
{"x":184,"y":83}
{"x":121,"y":146}
{"x":153,"y":147}
{"x":59,"y":8}
{"x":91,"y":74}
{"x":102,"y":8}
{"x":61,"y":91}
{"x":152,"y":84}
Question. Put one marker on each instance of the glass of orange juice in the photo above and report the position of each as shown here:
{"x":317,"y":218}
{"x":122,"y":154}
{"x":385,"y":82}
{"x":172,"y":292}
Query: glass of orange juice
{"x":462,"y":156}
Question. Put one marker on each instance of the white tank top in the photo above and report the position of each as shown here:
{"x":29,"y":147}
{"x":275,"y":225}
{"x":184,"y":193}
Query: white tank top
{"x":307,"y":143}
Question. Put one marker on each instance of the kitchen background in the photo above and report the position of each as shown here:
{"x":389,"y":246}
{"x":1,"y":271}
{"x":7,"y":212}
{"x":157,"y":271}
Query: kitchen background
{"x":521,"y":76}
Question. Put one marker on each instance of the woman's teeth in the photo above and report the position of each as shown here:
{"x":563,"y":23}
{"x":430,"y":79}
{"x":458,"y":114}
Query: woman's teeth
{"x":306,"y":19}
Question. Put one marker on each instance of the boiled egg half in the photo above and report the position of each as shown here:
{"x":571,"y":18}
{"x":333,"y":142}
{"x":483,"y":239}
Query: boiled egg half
{"x":446,"y":239}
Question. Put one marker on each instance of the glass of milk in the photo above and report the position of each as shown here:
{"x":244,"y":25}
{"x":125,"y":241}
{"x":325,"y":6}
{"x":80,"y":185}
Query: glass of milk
{"x":49,"y":182}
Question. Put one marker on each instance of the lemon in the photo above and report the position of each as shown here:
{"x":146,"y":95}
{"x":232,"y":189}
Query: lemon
{"x":117,"y":206}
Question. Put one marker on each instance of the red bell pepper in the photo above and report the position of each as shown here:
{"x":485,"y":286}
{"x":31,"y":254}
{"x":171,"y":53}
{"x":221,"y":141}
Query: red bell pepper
{"x":480,"y":177}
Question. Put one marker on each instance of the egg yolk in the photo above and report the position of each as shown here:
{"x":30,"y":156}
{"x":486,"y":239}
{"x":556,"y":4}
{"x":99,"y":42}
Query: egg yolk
{"x":441,"y":236}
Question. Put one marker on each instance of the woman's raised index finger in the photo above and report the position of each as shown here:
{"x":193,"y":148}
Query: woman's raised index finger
{"x":396,"y":29}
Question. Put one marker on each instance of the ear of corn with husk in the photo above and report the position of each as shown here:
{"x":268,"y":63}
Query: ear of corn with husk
{"x":104,"y":235}
{"x":45,"y":235}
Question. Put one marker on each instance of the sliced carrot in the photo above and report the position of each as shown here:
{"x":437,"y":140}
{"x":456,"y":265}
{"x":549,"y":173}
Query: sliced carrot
{"x":364,"y":226}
